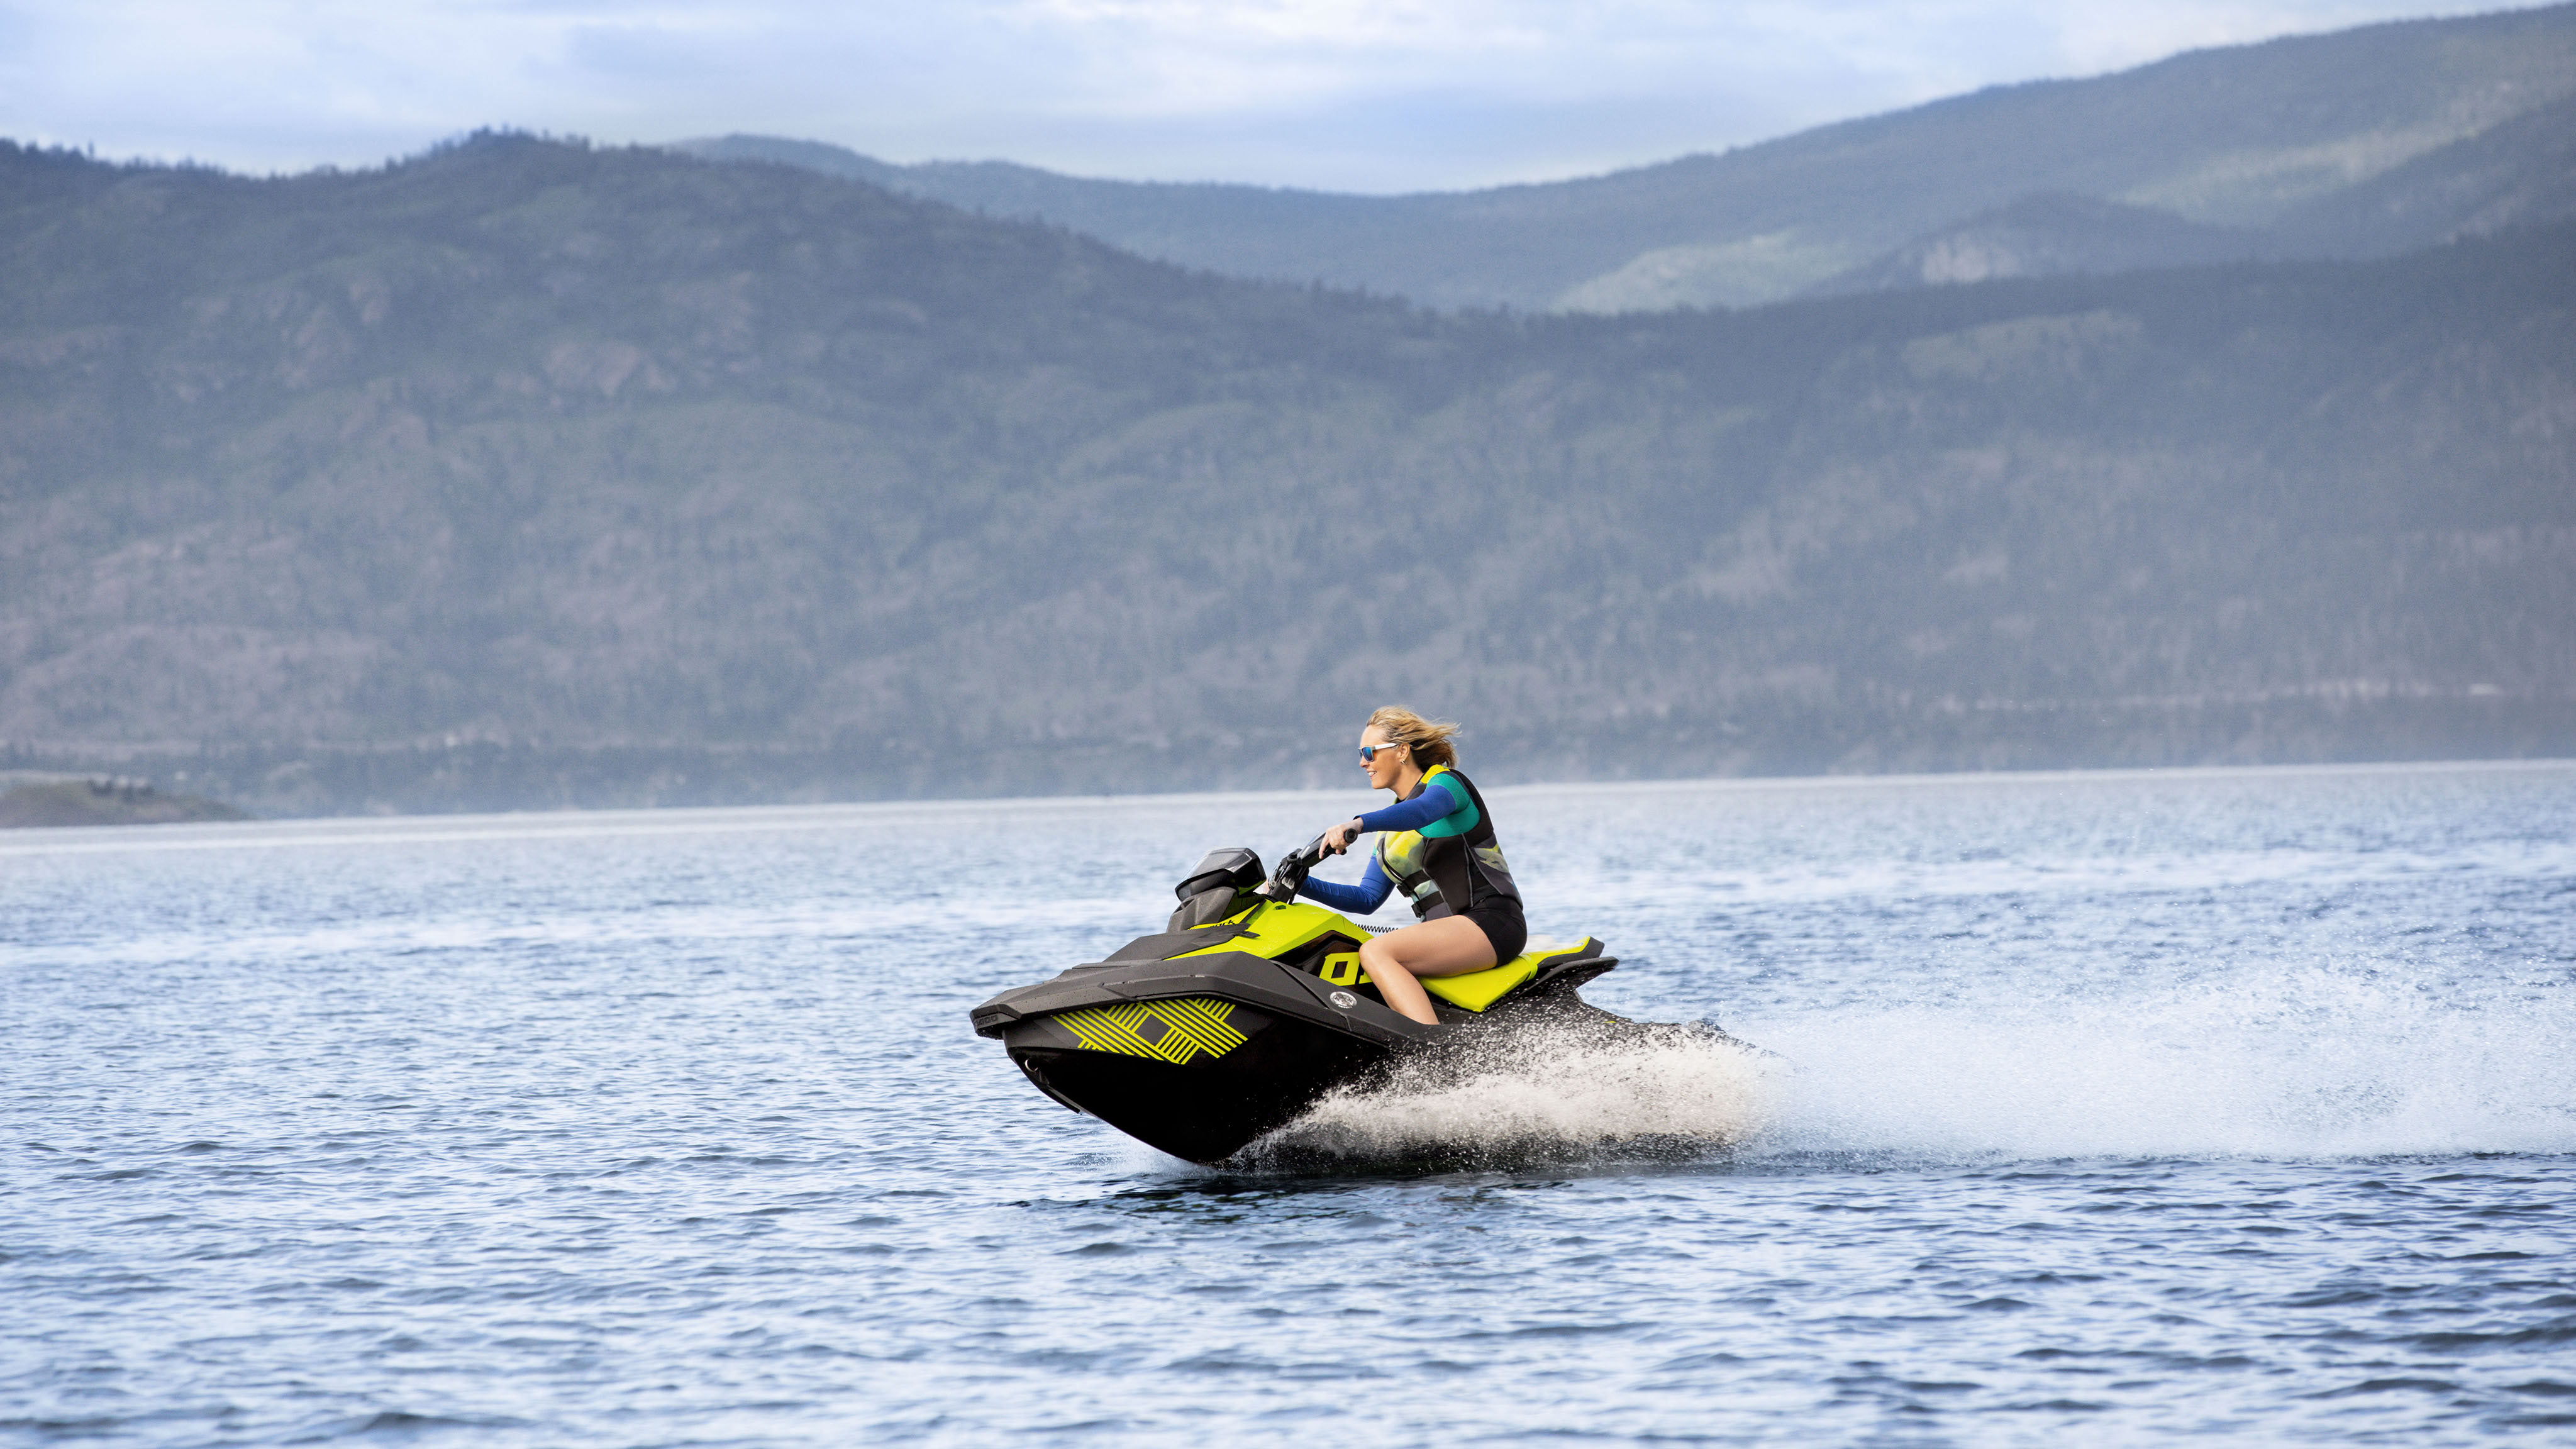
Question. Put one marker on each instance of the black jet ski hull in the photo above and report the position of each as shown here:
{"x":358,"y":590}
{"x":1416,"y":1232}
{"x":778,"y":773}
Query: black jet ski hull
{"x":1200,"y":1052}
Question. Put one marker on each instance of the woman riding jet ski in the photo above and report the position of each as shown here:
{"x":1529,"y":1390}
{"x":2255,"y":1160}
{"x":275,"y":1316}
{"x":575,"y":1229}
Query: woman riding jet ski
{"x":1438,"y":842}
{"x":1251,"y":1004}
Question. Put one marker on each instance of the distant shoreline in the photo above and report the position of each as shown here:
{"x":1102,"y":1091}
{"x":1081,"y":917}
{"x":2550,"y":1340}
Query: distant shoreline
{"x":75,"y":801}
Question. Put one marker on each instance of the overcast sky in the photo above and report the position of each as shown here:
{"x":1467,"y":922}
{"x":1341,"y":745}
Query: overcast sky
{"x":1355,"y":95}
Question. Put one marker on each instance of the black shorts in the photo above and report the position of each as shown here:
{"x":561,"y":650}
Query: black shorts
{"x":1504,"y":925}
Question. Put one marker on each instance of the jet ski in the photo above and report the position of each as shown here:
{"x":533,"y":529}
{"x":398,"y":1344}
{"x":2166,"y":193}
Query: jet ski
{"x":1248,"y":1006}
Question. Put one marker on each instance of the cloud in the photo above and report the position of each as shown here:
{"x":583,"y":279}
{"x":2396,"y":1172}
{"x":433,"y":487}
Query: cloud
{"x":1373,"y":95}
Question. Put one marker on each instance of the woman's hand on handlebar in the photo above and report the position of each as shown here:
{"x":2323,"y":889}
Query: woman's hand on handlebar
{"x":1339,"y":838}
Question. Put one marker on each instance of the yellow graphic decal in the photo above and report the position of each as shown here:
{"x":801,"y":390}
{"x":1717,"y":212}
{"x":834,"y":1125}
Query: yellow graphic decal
{"x":1342,"y":969}
{"x":1171,"y":1031}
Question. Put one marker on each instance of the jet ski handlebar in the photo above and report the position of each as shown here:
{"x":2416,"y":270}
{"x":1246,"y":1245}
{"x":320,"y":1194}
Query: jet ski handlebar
{"x":1292,"y":869}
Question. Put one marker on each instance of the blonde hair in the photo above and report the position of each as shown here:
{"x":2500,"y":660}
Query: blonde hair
{"x":1426,"y":739}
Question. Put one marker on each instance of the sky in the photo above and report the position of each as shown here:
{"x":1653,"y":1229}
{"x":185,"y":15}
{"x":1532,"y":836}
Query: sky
{"x":1345,"y":95}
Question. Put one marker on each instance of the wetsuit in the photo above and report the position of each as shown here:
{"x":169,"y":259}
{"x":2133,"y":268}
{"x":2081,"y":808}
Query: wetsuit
{"x":1438,"y":845}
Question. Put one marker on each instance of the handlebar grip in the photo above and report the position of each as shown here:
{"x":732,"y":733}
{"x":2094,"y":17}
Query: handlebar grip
{"x":1293,"y":868}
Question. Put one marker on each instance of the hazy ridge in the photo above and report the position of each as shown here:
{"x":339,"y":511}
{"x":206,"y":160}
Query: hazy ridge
{"x":2363,"y":142}
{"x":526,"y":472}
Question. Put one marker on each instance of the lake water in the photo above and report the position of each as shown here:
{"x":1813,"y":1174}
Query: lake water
{"x":2112,"y":1109}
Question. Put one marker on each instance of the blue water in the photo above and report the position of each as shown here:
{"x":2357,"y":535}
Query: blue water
{"x":2114,"y":1109}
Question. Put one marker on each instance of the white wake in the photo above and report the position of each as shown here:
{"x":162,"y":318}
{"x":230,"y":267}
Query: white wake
{"x":2301,"y":1063}
{"x":1545,"y":1093}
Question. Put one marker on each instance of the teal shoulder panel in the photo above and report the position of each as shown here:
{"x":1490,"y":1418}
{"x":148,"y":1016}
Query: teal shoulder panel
{"x":1462,"y":817}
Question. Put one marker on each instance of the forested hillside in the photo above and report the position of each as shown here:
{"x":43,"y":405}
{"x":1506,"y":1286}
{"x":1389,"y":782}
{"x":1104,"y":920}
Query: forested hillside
{"x":527,"y":473}
{"x":2364,"y":142}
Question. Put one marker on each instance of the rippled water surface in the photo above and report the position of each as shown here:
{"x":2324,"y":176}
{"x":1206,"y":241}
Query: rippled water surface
{"x":2122,"y":1108}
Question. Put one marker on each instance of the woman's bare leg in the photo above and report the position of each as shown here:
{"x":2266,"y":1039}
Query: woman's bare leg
{"x":1450,"y":946}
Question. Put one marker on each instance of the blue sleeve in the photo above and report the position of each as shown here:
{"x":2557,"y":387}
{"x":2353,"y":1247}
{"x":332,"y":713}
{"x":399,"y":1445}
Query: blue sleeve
{"x":1352,"y":900}
{"x":1442,"y":800}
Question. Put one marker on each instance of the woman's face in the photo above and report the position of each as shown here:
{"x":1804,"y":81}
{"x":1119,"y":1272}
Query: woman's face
{"x":1389,"y":762}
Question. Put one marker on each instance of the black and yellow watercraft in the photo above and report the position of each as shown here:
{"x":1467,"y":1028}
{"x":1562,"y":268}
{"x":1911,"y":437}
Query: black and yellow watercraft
{"x":1248,"y":1006}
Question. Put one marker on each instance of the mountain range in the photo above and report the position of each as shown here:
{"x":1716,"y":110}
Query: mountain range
{"x":527,"y":472}
{"x":2363,"y":142}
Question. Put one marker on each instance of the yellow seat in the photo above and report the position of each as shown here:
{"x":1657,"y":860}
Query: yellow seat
{"x":1477,"y":990}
